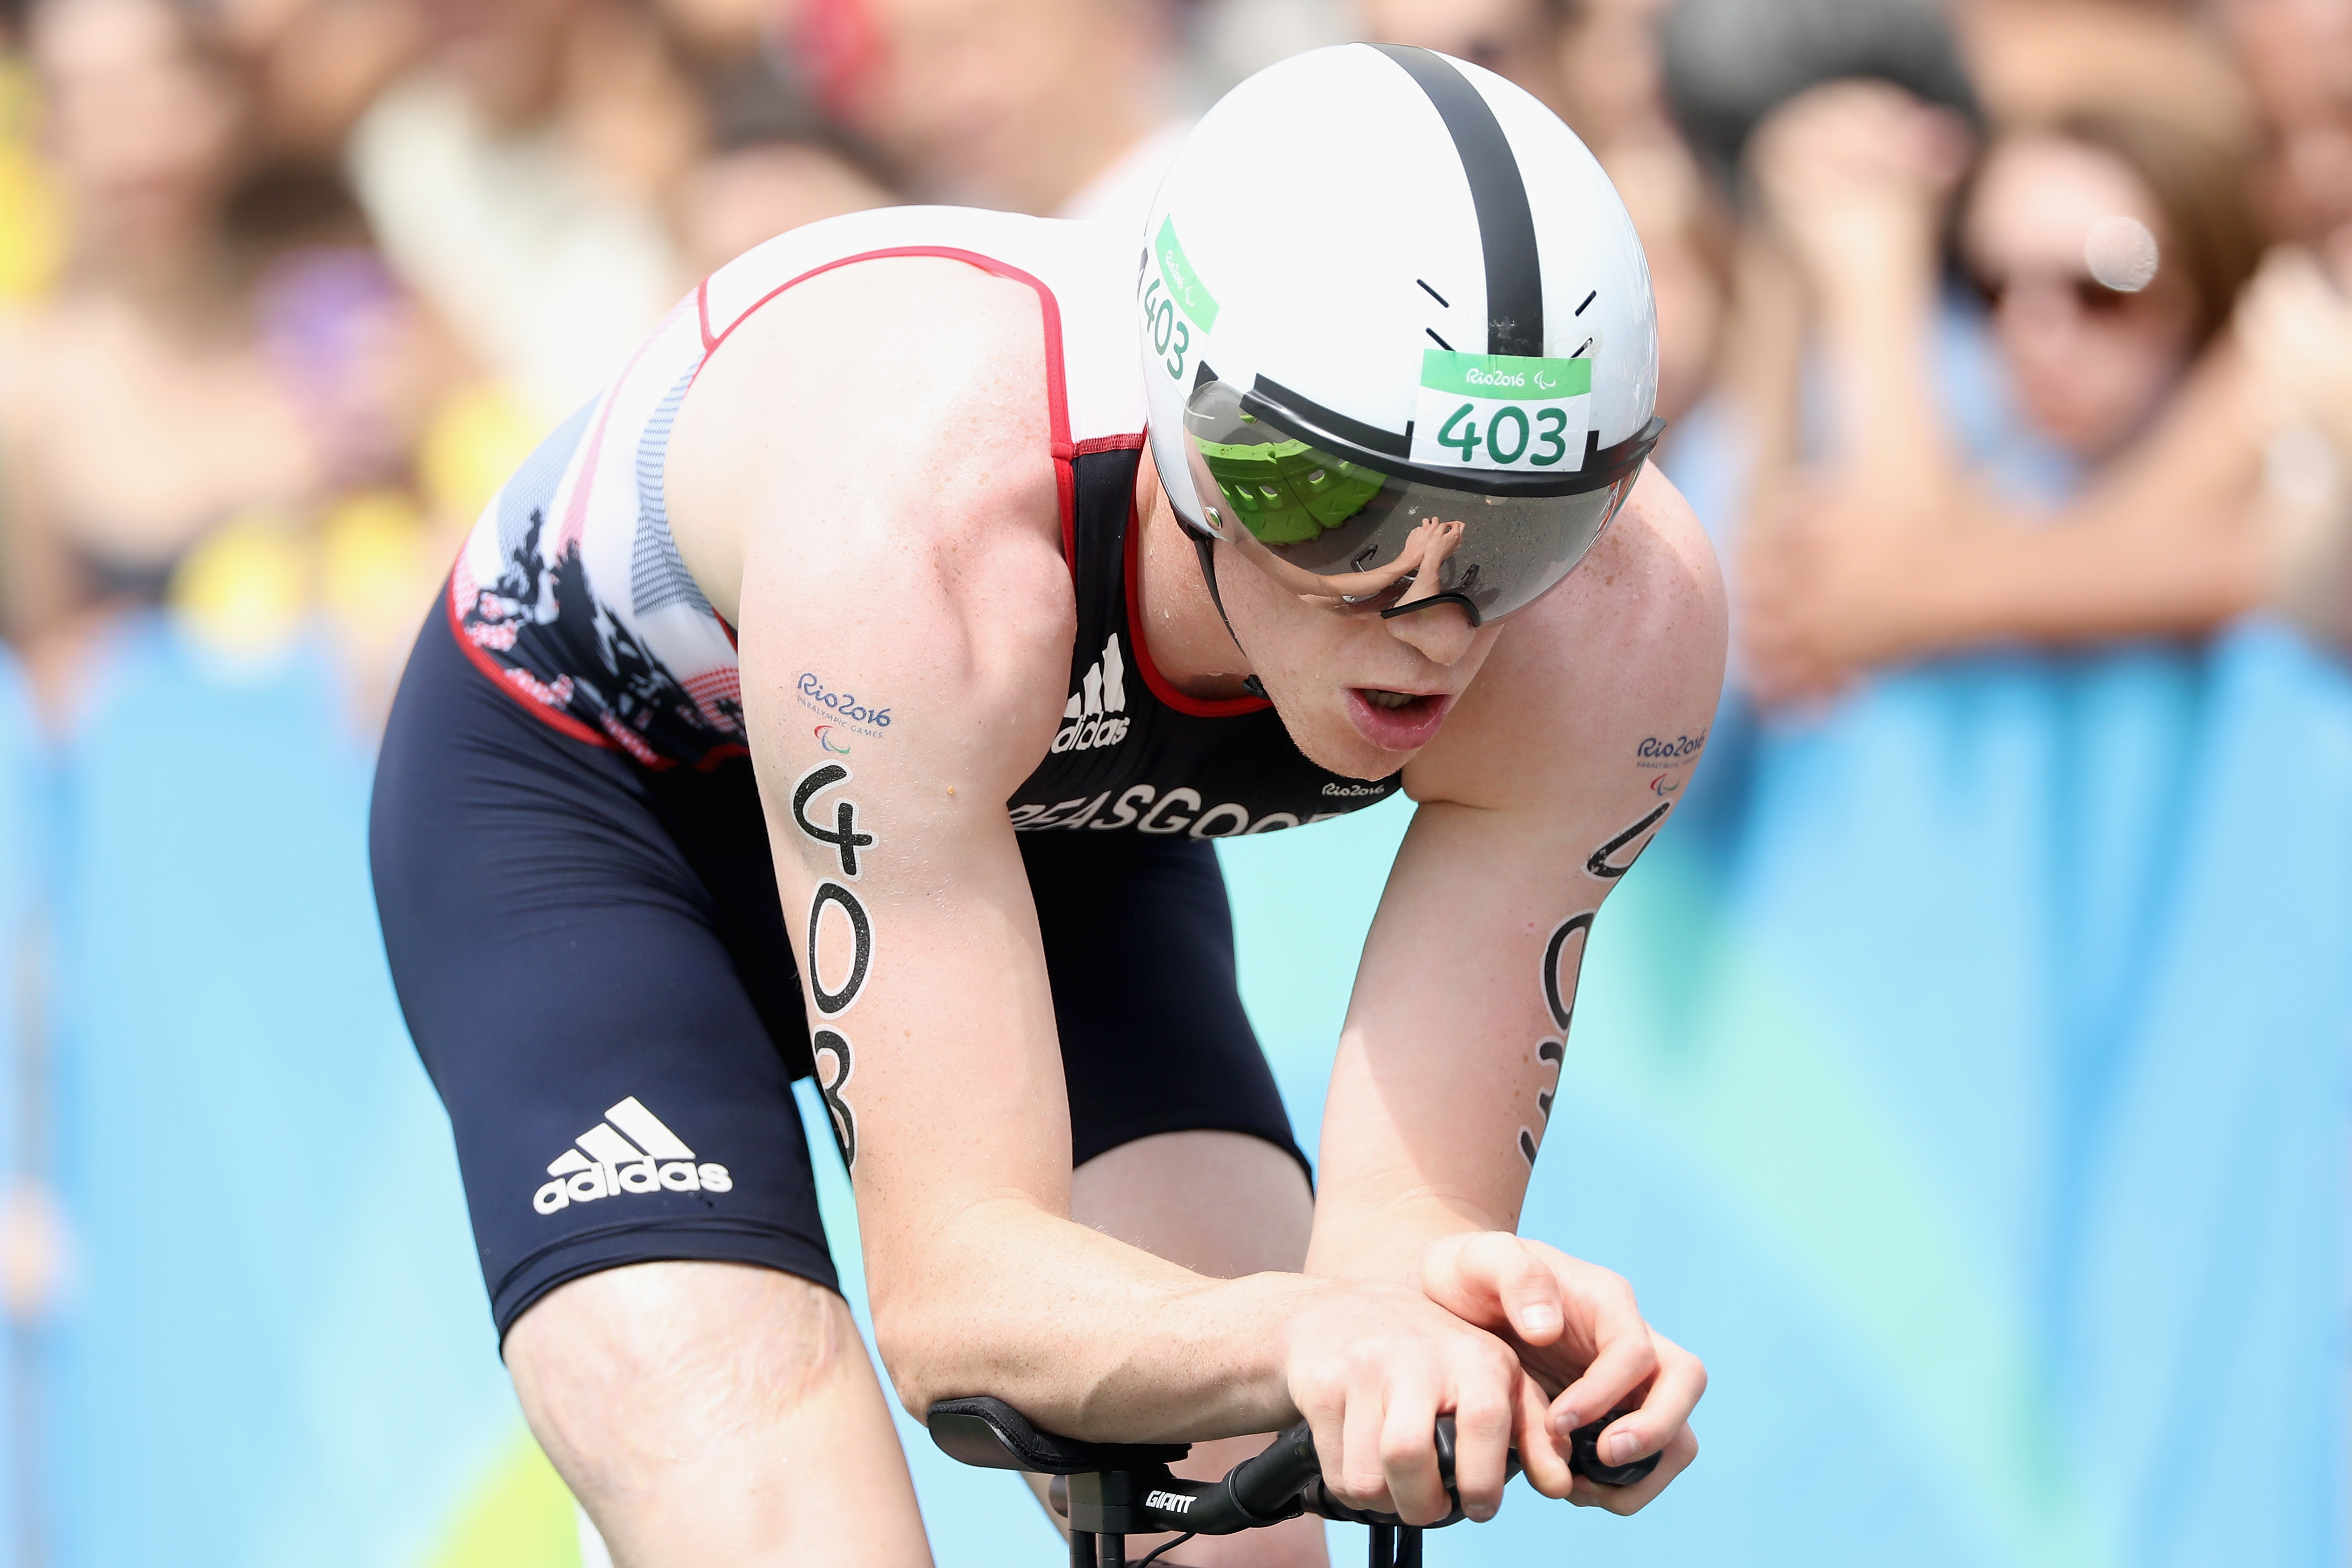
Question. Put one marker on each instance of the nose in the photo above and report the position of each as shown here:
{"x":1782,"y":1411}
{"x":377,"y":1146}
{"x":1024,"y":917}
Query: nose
{"x":1439,"y":633}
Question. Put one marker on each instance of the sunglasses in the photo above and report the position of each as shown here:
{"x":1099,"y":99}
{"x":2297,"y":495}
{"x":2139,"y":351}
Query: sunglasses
{"x":2090,"y":295}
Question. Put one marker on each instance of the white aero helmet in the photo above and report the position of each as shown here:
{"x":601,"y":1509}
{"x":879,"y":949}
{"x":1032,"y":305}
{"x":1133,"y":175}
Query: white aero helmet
{"x":1395,"y":317}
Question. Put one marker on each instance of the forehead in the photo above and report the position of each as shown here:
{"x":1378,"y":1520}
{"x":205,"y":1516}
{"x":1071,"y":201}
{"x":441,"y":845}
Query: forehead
{"x":2039,"y":195}
{"x":97,"y":34}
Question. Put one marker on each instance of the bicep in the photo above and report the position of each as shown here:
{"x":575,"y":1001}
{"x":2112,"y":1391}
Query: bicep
{"x":904,"y":624}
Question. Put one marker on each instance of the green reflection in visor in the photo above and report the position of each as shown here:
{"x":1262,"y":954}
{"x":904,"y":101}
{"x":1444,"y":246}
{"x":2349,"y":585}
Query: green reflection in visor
{"x":1285,"y":492}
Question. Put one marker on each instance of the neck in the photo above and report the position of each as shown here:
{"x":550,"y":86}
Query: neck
{"x":1178,"y":621}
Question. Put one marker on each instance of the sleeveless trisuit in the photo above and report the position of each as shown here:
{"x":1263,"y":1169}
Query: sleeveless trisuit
{"x":572,"y":865}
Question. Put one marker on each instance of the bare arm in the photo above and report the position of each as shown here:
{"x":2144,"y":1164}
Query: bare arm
{"x":1561,"y":762}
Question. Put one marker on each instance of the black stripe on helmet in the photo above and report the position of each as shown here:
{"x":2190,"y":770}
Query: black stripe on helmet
{"x":1506,"y":229}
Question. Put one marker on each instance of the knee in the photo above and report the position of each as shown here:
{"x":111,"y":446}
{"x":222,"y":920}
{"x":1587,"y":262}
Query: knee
{"x":630,"y":1371}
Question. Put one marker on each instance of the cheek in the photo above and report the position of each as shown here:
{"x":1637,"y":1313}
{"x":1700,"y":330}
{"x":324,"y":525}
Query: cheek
{"x":1288,"y":641}
{"x":2125,"y":378}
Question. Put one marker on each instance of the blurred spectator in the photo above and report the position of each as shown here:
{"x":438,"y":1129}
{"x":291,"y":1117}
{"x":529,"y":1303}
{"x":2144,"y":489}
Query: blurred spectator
{"x":516,"y":179}
{"x":137,"y":405}
{"x":1060,"y":107}
{"x":1523,"y":40}
{"x":772,"y":161}
{"x":2296,"y":328}
{"x":2035,"y":60}
{"x":227,"y":325}
{"x":2296,"y":323}
{"x":741,"y":196}
{"x":2299,"y":56}
{"x":32,"y":214}
{"x":316,"y":66}
{"x":1226,"y":40}
{"x":2109,"y":250}
{"x":1611,"y":73}
{"x":1687,"y":233}
{"x":2111,"y":246}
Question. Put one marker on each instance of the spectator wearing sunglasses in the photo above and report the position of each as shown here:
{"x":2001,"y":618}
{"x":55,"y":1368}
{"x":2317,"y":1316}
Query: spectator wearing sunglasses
{"x":2108,"y":248}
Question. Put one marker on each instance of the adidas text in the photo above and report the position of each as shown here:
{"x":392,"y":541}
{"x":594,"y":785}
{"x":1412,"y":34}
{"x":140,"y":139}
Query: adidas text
{"x":606,"y":1164}
{"x":1096,"y":714}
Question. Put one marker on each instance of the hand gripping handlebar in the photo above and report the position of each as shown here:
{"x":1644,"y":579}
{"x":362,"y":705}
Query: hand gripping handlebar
{"x":1121,"y":1488}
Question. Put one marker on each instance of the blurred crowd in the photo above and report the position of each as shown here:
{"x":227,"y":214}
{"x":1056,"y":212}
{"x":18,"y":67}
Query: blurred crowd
{"x":1996,"y":320}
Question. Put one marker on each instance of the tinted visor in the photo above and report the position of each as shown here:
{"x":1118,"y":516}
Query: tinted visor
{"x":1331,"y":518}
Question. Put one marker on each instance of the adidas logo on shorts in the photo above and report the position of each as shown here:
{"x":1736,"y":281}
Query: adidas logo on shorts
{"x":606,"y":1164}
{"x":1097,"y":713}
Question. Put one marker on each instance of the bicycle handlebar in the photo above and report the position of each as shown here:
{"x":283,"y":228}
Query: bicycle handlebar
{"x":1127,"y":1489}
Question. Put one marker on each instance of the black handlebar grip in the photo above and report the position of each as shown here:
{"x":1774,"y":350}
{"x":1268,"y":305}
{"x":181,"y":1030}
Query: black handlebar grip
{"x":1584,"y":1459}
{"x":1269,"y":1481}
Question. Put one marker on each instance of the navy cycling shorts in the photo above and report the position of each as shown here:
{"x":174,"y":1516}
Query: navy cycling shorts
{"x":592,"y":959}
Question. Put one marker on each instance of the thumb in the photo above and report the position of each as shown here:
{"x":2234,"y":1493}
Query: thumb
{"x":1492,"y":1280}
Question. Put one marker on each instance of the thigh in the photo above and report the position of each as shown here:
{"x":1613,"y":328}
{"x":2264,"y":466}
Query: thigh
{"x":616,"y":1095}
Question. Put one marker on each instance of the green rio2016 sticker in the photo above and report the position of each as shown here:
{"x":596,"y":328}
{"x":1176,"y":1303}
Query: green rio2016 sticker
{"x":1183,"y":284}
{"x":1174,"y":302}
{"x":1502,"y":411}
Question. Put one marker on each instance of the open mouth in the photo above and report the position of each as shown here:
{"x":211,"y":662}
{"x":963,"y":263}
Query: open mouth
{"x":1396,"y":721}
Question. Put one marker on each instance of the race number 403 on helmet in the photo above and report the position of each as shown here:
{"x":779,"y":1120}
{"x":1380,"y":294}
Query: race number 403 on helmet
{"x":1397,"y":332}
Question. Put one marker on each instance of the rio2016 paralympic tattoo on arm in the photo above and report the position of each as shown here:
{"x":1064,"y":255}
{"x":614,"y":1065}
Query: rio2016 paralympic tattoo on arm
{"x":835,"y":1058}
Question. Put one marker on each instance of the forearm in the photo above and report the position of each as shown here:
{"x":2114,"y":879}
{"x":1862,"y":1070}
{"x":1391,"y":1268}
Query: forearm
{"x":2164,"y":542}
{"x":1384,"y":1241}
{"x":2078,"y":580}
{"x":1086,"y":1336}
{"x":1876,"y":335}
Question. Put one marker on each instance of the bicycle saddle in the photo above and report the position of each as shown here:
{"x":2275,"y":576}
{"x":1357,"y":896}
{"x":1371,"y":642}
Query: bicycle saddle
{"x":990,"y":1434}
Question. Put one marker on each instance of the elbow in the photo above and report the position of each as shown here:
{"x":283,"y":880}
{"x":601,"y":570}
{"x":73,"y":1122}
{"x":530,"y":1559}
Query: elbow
{"x":910,"y":1355}
{"x":929,"y":1349}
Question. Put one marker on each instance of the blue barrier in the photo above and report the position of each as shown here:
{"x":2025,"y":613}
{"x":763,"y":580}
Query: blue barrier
{"x":23,"y":1067}
{"x":1961,"y":1074}
{"x":276,"y":1351}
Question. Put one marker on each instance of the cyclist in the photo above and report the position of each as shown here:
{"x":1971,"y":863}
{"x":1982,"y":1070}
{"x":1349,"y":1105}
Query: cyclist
{"x":843,"y":693}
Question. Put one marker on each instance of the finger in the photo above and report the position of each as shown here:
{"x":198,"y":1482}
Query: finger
{"x":1624,"y":1357}
{"x":1483,"y":1413}
{"x":1676,"y":1459}
{"x":1545,"y":1455}
{"x":1358,"y":1477}
{"x":1408,"y":1454}
{"x":1326,"y":1418}
{"x":1667,"y":1408}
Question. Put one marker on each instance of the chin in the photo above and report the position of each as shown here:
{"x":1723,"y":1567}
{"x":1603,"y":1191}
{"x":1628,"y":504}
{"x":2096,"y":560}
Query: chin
{"x":1323,"y":733}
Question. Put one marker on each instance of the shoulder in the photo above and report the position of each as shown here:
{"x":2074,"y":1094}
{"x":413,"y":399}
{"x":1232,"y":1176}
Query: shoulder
{"x":1651,"y":587}
{"x":1052,"y":297}
{"x":924,"y":368}
{"x":1633,"y":640}
{"x":884,"y":406}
